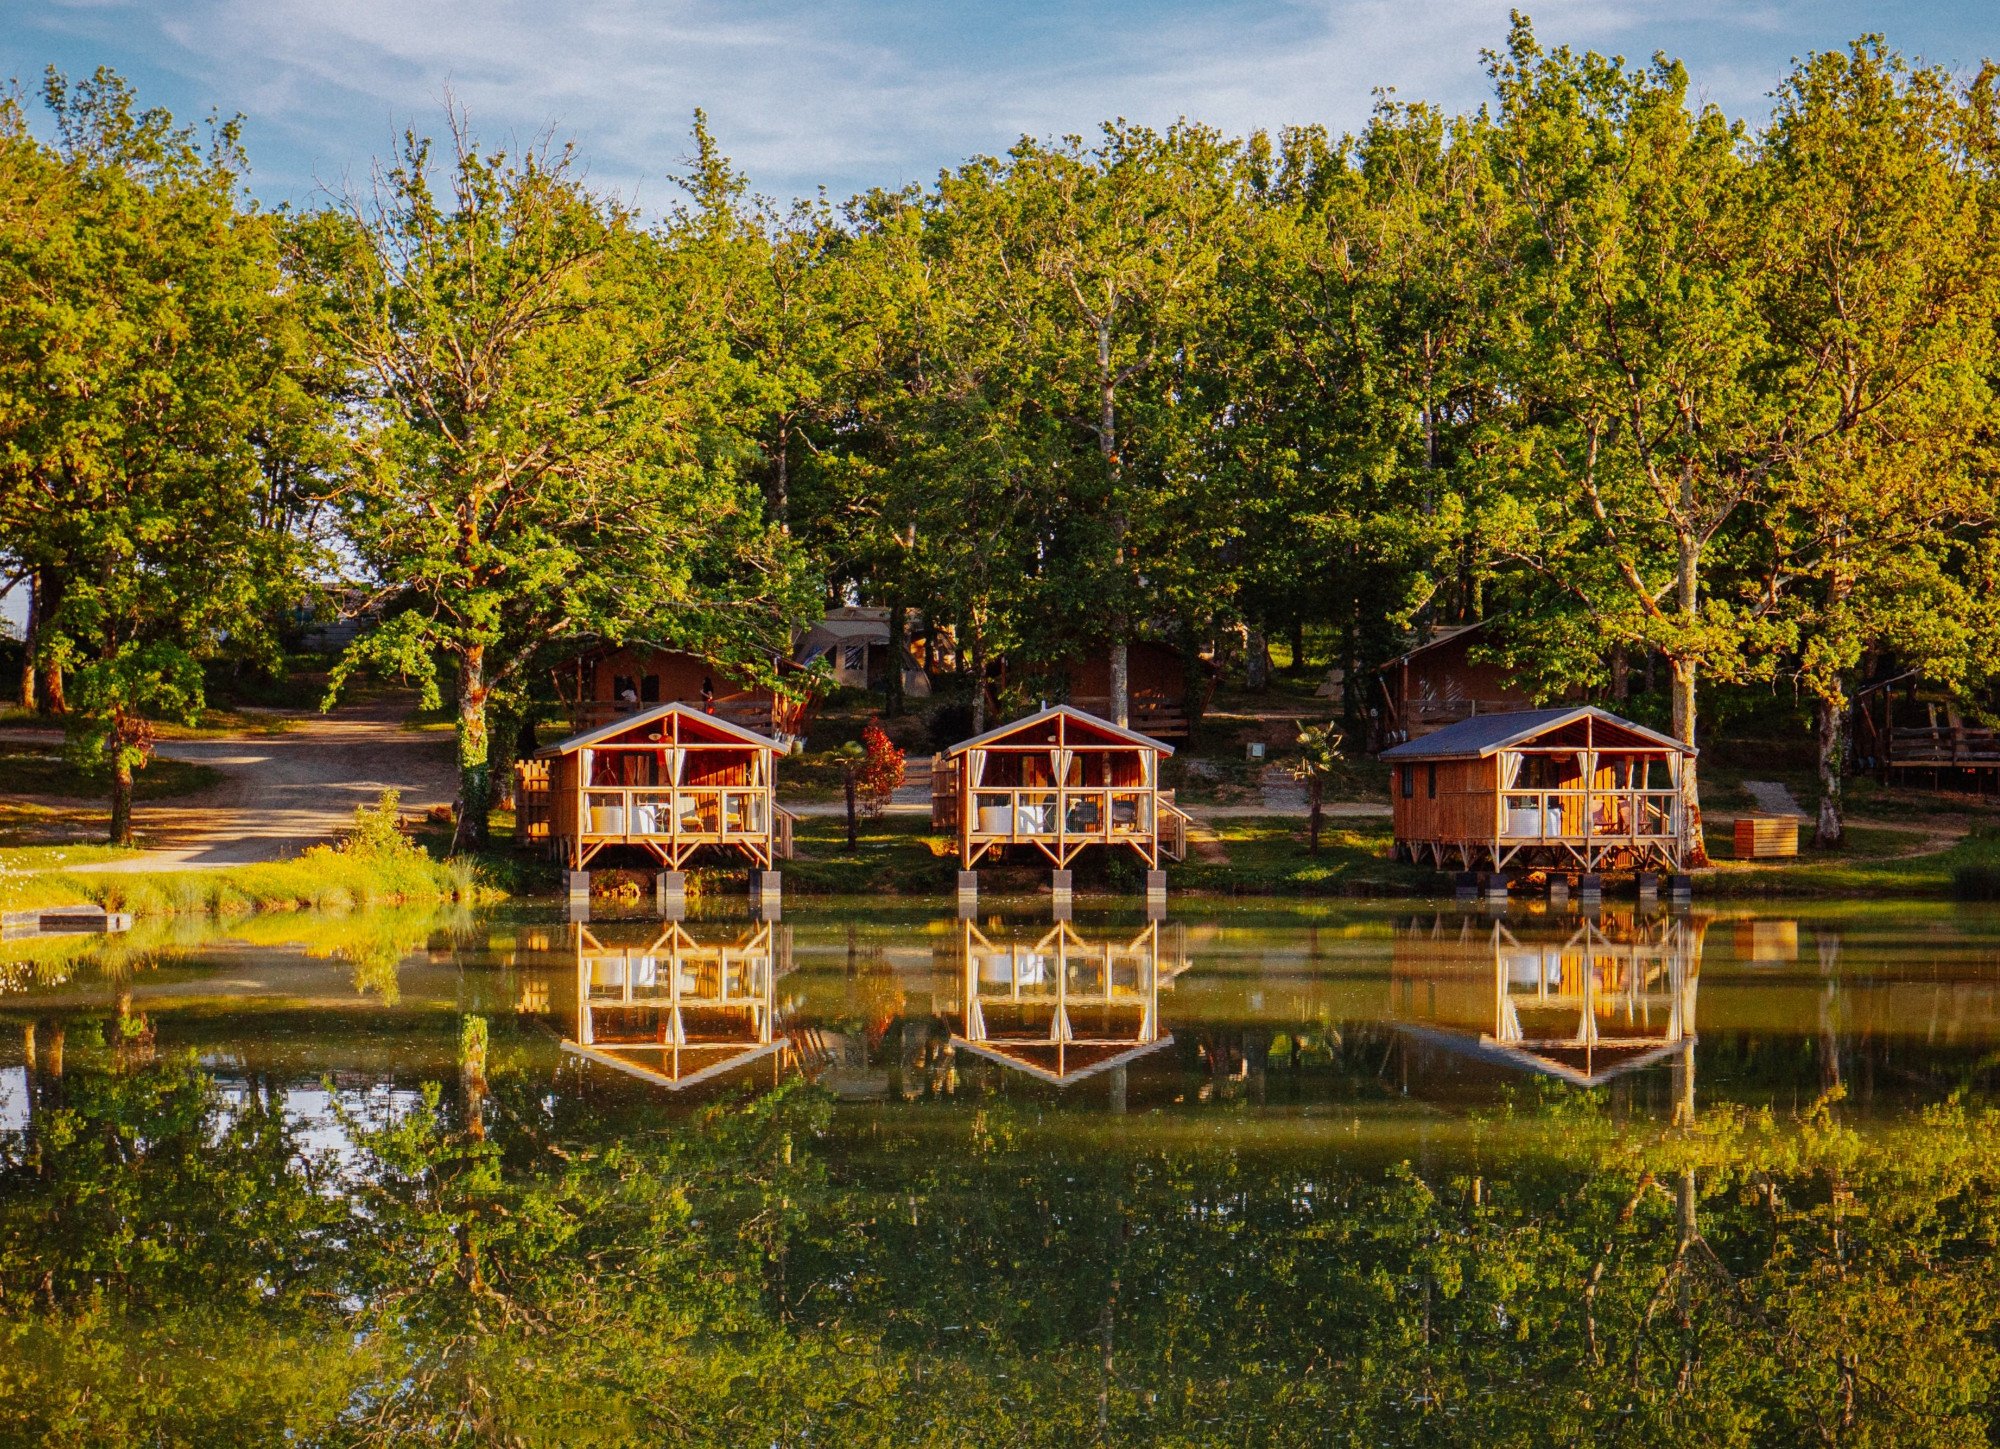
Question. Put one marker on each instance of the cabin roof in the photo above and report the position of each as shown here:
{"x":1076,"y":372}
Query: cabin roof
{"x":1083,"y":717}
{"x":626,"y":722}
{"x":1079,"y":1059}
{"x":1437,"y":640}
{"x":1486,"y":734}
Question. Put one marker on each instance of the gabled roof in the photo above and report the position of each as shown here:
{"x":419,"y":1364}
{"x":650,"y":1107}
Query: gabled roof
{"x":626,"y":722}
{"x":715,"y":1060}
{"x":1061,"y":1063}
{"x":1082,"y":717}
{"x":1486,"y":734}
{"x":1578,"y":1065}
{"x":1442,"y":637}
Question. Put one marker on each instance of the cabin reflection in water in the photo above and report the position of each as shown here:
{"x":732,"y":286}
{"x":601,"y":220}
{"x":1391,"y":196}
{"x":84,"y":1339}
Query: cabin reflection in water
{"x":1058,"y":1006}
{"x":676,"y":1010}
{"x":1582,"y":1001}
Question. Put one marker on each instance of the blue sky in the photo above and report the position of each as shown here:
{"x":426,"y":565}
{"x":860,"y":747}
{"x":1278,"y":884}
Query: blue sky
{"x":849,"y":94}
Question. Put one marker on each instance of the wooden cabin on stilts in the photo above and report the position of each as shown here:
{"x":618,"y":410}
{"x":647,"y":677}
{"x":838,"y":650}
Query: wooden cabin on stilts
{"x":1573,"y":789}
{"x":670,"y":780}
{"x":1058,"y":782}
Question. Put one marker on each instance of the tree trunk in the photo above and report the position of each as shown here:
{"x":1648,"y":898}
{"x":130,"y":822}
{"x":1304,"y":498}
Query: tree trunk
{"x":1257,"y":661}
{"x":1688,"y":600}
{"x":897,"y":627}
{"x":1832,"y":710}
{"x":1621,"y":673}
{"x":1121,"y":684}
{"x":973,"y":657}
{"x":121,"y":793}
{"x":48,"y":598}
{"x":505,"y":749}
{"x":1684,"y":731}
{"x":853,"y":813}
{"x":1315,"y":814}
{"x":475,"y":779}
{"x":28,"y":690}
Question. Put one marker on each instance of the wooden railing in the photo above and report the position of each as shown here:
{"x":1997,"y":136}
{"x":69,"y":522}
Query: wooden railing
{"x":1574,"y":814}
{"x":1943,"y":745}
{"x":1174,"y":823}
{"x":1160,"y":718}
{"x":718,"y":813}
{"x":533,"y":804}
{"x":1043,"y":812}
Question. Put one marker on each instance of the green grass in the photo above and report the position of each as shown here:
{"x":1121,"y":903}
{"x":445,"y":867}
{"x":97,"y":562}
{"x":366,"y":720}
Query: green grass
{"x":373,"y":866}
{"x":213,"y":724}
{"x":895,"y":855}
{"x":37,"y":769}
{"x":1268,"y":856}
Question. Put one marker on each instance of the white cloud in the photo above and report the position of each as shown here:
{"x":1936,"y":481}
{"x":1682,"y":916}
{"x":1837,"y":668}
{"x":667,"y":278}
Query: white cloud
{"x":857,"y":92}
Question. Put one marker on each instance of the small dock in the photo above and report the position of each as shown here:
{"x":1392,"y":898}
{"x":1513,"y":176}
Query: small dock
{"x":76,"y":920}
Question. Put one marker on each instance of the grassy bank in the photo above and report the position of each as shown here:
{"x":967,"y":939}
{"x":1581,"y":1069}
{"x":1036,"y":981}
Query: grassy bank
{"x":374,"y":865}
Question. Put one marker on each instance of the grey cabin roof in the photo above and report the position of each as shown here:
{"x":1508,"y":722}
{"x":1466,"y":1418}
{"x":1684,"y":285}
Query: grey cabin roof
{"x":1081,"y":716}
{"x":1486,"y":734}
{"x":625,"y":722}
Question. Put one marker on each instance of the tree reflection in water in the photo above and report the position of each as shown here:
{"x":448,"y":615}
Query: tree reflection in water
{"x":537,"y":1250}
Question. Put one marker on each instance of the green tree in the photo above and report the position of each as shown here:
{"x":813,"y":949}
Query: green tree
{"x":543,"y":457}
{"x":1882,"y":285}
{"x":152,"y":338}
{"x":1629,"y":340}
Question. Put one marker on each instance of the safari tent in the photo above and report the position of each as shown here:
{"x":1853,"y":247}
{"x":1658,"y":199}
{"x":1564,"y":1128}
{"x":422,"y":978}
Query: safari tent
{"x":1058,"y":782}
{"x":670,"y":780}
{"x":1558,"y":789}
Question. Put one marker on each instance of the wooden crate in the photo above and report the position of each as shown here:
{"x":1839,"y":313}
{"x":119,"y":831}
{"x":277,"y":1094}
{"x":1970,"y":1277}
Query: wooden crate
{"x":1766,"y":837}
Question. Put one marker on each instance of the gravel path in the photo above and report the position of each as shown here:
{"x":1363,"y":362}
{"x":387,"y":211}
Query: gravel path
{"x":281,"y":793}
{"x":1773,"y":797}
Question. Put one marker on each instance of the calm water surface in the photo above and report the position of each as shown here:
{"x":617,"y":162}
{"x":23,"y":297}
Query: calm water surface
{"x":1365,"y":1175}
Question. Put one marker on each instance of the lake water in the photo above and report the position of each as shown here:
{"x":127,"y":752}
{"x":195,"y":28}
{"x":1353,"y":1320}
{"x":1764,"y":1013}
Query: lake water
{"x":1356,"y":1174}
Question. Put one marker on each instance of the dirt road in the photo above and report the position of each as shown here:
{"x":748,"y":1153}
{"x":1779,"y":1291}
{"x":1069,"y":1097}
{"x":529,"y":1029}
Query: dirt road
{"x":280,"y":793}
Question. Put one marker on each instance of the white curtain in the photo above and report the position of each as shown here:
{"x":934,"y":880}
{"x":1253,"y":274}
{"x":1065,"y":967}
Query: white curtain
{"x":1510,"y":769}
{"x":975,"y":767}
{"x":1064,"y":760}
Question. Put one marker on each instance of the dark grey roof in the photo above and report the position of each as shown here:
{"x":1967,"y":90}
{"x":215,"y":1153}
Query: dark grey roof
{"x":1484,"y":733}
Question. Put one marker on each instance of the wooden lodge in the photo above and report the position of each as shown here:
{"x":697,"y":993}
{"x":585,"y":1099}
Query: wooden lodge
{"x":1908,"y":734}
{"x":612,"y":683}
{"x":1059,"y":1007}
{"x":1439,"y":683}
{"x":1156,"y":678}
{"x":1584,"y":1004}
{"x":1058,"y":782}
{"x":670,"y":780}
{"x":1556,"y":789}
{"x":675,"y":1010}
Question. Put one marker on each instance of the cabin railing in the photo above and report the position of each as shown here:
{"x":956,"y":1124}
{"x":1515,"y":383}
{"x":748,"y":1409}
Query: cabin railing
{"x":533,"y":802}
{"x":1042,"y":812}
{"x":1575,"y":814}
{"x":1174,"y":823}
{"x":1944,"y":745}
{"x":711,"y":813}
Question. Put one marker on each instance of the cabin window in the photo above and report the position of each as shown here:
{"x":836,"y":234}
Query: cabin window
{"x":649,"y":689}
{"x":1409,"y":782}
{"x":1432,"y":783}
{"x":854,"y":658}
{"x":624,"y":689}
